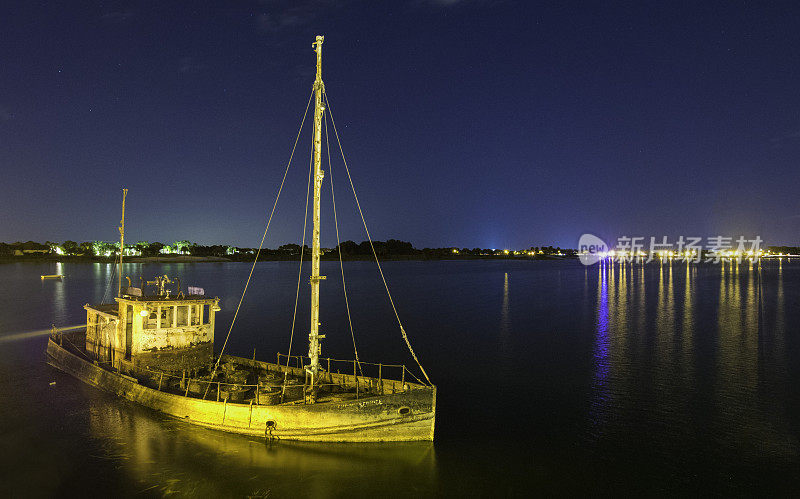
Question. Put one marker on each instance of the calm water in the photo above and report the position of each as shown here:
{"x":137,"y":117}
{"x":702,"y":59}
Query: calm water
{"x":552,"y":377}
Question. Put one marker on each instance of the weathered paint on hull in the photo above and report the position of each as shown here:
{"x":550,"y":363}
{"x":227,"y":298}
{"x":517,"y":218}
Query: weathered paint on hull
{"x":372,"y":419}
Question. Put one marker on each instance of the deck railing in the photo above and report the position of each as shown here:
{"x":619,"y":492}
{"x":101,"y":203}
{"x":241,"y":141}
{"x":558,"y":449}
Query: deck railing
{"x":379,"y":385}
{"x":357,"y":367}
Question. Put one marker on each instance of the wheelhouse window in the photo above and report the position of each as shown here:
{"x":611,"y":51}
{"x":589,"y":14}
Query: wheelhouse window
{"x":182,"y":315}
{"x":151,"y":321}
{"x":167,"y":314}
{"x":197,"y":315}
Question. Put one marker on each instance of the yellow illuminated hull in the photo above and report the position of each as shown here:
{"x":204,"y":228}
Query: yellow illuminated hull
{"x":404,"y":416}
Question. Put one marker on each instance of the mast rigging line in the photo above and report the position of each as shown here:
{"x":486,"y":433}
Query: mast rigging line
{"x":369,"y":238}
{"x":107,"y":294}
{"x":302,"y":252}
{"x":261,"y":244}
{"x":339,"y":246}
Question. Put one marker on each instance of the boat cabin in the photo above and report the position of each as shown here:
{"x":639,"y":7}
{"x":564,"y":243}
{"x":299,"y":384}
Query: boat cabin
{"x":165,"y":333}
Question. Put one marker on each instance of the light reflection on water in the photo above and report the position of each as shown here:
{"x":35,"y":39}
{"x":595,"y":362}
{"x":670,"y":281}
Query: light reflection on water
{"x":552,"y":376}
{"x":651,"y":379}
{"x":601,"y":349}
{"x":168,"y":456}
{"x":59,"y":297}
{"x":505,"y":318}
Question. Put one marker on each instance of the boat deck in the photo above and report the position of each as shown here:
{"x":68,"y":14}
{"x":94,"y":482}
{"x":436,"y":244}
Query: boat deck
{"x":251,"y":397}
{"x":250,"y":381}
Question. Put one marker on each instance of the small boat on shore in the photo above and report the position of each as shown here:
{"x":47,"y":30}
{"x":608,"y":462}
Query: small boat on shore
{"x":155,"y":346}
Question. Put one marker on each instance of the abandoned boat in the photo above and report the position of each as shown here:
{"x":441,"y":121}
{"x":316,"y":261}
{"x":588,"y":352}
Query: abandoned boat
{"x":155,"y":346}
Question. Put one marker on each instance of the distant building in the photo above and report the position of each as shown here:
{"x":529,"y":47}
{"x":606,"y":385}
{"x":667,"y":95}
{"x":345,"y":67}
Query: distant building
{"x":20,"y":252}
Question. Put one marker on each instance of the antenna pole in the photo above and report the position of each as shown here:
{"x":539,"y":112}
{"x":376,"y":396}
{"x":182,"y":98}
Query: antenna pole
{"x":121,"y":242}
{"x":314,"y":348}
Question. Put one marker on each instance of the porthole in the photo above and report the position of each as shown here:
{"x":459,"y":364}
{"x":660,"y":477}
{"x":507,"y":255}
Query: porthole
{"x":404,"y":411}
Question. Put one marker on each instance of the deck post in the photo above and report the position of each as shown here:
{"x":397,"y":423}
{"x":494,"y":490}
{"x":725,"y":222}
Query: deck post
{"x":186,"y":393}
{"x":305,"y":382}
{"x":355,"y":377}
{"x":380,"y":376}
{"x":218,"y":391}
{"x":160,"y":379}
{"x":403,"y":378}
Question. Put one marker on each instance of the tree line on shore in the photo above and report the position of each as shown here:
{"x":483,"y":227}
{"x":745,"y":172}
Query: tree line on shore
{"x":391,"y":248}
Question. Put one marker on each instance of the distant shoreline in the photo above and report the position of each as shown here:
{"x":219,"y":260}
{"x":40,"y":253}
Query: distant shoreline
{"x":264,"y":258}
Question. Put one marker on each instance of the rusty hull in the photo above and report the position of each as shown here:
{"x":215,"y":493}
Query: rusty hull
{"x":405,"y":416}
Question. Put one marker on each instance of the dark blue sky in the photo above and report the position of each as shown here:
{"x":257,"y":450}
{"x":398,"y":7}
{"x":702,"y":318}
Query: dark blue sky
{"x":468,"y":123}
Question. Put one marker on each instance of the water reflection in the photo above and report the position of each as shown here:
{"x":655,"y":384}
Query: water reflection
{"x":777,"y":340}
{"x":97,"y":282}
{"x":687,"y":329}
{"x":60,"y":312}
{"x":640,"y":370}
{"x":645,"y":358}
{"x":600,"y":398}
{"x":667,"y":384}
{"x":167,"y":456}
{"x":505,"y":322}
{"x":103,"y":274}
{"x":737,"y":362}
{"x":780,"y":313}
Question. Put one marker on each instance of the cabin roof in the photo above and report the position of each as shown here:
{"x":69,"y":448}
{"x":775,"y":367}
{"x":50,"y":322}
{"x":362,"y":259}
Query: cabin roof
{"x":110,"y":310}
{"x":171,"y":299}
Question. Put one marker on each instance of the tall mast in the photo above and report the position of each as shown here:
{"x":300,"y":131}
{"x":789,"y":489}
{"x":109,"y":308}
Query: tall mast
{"x":314,"y":337}
{"x":121,"y":242}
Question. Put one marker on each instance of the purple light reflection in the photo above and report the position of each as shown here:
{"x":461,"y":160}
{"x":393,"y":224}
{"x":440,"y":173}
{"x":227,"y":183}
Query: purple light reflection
{"x":600,"y":397}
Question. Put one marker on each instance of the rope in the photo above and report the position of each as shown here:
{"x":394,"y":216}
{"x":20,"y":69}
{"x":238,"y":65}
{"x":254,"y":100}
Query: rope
{"x":360,"y":212}
{"x":338,"y":245}
{"x":302,"y":252}
{"x":261,"y":244}
{"x":107,"y":294}
{"x":415,"y":376}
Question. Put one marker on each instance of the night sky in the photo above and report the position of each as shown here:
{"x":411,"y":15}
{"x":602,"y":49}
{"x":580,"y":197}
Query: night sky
{"x":466,"y":123}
